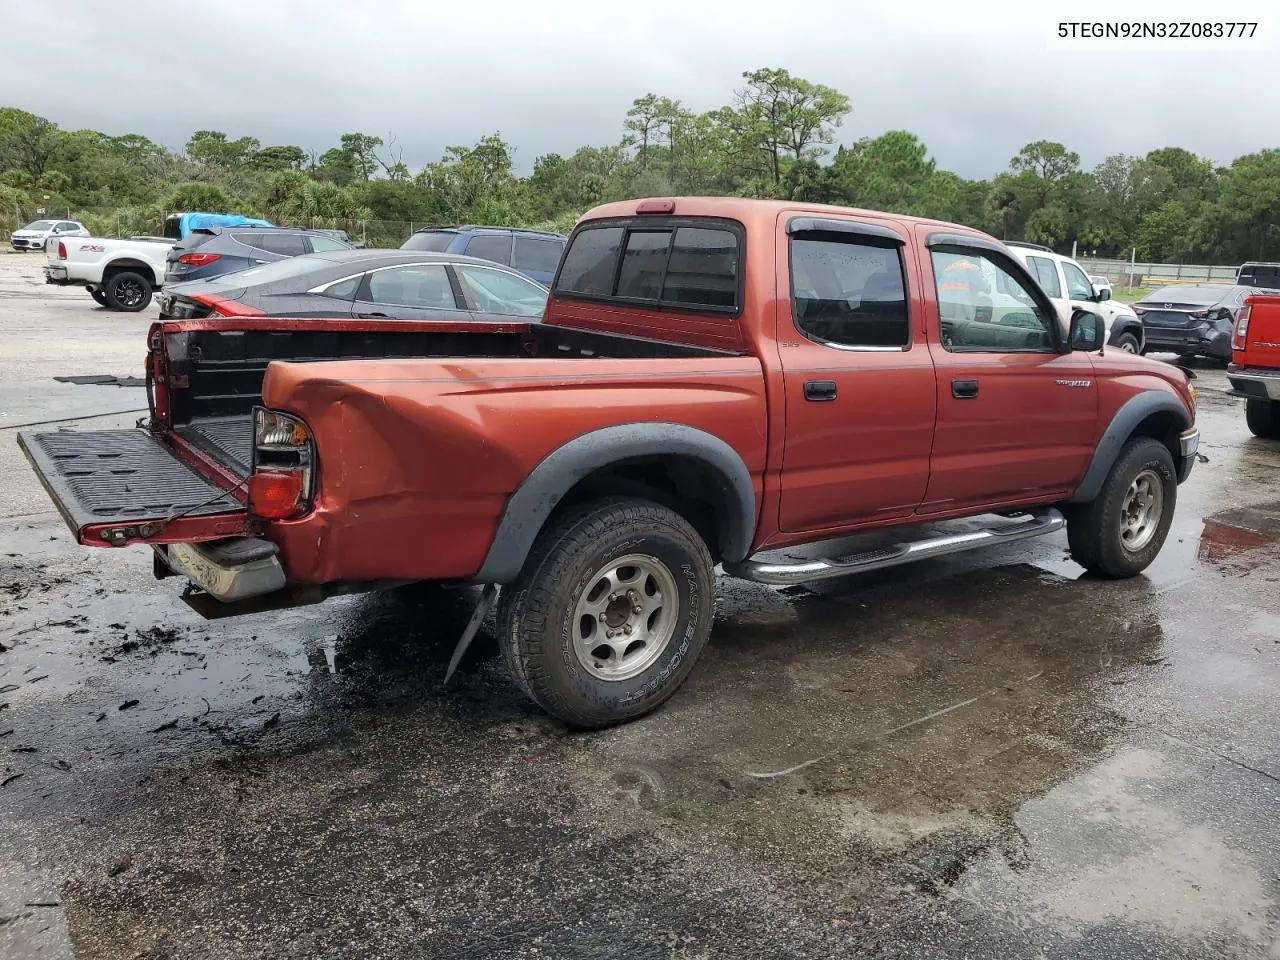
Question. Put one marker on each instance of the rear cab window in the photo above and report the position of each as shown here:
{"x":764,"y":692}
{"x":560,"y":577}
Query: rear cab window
{"x":689,"y":265}
{"x":848,"y":288}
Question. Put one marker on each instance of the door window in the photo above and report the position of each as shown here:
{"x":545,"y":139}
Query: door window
{"x":323,"y":244}
{"x":495,"y":247}
{"x":849,"y":293}
{"x":502,"y":293}
{"x":538,"y":256}
{"x":415,"y":285}
{"x":1078,"y":285}
{"x":985,"y":307}
{"x":284,"y":244}
{"x":1047,"y":276}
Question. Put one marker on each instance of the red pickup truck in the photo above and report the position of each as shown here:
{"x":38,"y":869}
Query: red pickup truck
{"x":1254,"y":371}
{"x":714,"y":381}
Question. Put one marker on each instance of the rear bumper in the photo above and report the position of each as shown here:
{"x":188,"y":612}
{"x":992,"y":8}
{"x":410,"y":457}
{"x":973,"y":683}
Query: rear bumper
{"x":58,"y":277}
{"x":228,"y":570}
{"x":1203,"y":340}
{"x":1254,"y":383}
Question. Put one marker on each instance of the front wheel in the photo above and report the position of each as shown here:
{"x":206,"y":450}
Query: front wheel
{"x":128,"y":291}
{"x":1128,"y":343}
{"x":1120,"y":532}
{"x":610,"y":613}
{"x":1263,"y":418}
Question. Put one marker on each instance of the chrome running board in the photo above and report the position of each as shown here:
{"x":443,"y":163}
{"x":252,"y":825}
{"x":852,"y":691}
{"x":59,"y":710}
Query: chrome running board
{"x":1037,"y":524}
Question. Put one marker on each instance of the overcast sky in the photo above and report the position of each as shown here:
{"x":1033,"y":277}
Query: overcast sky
{"x":553,"y":75}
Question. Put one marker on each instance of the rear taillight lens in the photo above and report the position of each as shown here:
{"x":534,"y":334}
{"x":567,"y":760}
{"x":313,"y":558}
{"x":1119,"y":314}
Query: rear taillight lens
{"x":198,"y":259}
{"x":62,"y":250}
{"x":283,"y":454}
{"x":1241,"y":332}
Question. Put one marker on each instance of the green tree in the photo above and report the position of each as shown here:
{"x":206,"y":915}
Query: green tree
{"x":785,"y":114}
{"x":362,"y":149}
{"x":203,"y":197}
{"x":280,"y":158}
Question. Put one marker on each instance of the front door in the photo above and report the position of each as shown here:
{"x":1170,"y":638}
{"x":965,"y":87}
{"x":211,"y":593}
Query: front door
{"x":857,"y":373}
{"x":1017,"y":416}
{"x":411,"y":291}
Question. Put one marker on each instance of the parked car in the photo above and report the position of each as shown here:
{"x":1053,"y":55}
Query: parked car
{"x":373,"y":284}
{"x":1192,"y":319}
{"x":1264,"y":275}
{"x":1070,"y":289}
{"x":1101,"y":287}
{"x":35,"y":235}
{"x":665,"y":416}
{"x":531,"y":252}
{"x":119,"y":274}
{"x":1254,"y":372}
{"x":214,"y":251}
{"x":179,"y":226}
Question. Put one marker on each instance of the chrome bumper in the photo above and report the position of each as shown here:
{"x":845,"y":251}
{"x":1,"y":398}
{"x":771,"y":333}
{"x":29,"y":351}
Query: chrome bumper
{"x":1189,"y":442}
{"x":1269,"y":381}
{"x":228,"y":570}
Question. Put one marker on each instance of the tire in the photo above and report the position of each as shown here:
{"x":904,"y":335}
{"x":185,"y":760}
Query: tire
{"x":1128,"y":343}
{"x":127,"y":291}
{"x":560,"y":605}
{"x":1263,"y":418}
{"x":1103,"y":538}
{"x":99,"y":297}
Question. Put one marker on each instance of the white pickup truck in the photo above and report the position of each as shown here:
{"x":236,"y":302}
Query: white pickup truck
{"x":119,"y":274}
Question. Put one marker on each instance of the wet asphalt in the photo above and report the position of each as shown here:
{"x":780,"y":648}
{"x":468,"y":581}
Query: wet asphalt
{"x":987,"y":756}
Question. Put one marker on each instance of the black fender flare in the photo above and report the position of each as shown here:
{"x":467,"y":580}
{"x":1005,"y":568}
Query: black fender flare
{"x":1134,"y":410}
{"x":1127,"y":325}
{"x":529,"y":507}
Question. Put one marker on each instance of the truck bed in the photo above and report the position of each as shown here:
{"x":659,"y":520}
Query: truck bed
{"x":126,"y":486}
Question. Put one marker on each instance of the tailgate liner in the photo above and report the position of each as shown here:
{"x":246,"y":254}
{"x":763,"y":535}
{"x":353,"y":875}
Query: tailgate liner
{"x":105,"y":476}
{"x":230,"y":439}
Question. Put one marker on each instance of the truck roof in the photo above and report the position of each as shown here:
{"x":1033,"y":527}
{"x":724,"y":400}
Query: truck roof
{"x":750,"y":210}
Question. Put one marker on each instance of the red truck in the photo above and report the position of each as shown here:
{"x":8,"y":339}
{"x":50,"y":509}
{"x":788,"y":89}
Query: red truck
{"x":714,"y":381}
{"x":1254,"y":371}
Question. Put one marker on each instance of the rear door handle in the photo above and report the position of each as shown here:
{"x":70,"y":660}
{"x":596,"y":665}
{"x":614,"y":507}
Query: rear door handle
{"x":964,"y":389}
{"x":819,"y":389}
{"x":373,"y":316}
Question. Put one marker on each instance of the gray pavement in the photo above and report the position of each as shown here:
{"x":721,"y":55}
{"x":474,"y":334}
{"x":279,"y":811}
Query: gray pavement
{"x":988,"y":756}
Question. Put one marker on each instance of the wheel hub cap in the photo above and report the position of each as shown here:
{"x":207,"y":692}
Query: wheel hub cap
{"x":1141,"y":512}
{"x":625,"y":617}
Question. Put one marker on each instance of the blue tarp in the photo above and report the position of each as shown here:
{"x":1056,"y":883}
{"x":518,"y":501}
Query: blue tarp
{"x":197,"y":221}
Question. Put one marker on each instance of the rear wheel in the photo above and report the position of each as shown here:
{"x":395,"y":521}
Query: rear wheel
{"x":1263,"y":418}
{"x":127,"y":291}
{"x":1121,"y":531}
{"x":610,"y":613}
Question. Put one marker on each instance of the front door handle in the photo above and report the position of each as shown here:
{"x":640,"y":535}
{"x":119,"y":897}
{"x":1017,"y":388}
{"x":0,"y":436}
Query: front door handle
{"x":373,"y":316}
{"x":964,"y":389}
{"x":819,"y":389}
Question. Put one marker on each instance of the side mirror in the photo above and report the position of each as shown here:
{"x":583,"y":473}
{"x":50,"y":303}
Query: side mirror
{"x":1087,"y":330}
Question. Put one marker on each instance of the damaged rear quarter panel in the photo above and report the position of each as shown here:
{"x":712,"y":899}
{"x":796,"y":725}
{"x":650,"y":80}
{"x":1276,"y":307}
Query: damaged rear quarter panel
{"x":416,"y":458}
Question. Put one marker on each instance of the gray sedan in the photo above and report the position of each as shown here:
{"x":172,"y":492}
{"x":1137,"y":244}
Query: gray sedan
{"x":370,"y":284}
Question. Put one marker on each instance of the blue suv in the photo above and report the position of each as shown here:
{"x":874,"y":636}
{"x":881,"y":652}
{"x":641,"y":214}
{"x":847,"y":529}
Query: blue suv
{"x":531,"y":252}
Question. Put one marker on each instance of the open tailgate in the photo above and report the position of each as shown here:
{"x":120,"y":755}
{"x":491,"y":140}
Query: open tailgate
{"x":116,"y":487}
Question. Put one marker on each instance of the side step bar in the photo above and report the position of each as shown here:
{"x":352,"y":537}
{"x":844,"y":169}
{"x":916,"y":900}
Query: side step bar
{"x":799,"y":571}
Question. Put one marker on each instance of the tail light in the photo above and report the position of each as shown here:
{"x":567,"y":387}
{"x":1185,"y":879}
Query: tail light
{"x":199,"y":259}
{"x":1241,"y":332}
{"x":62,"y":250}
{"x":283,"y":454}
{"x":222,"y":307}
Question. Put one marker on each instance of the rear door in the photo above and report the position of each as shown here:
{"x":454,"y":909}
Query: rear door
{"x":1017,"y":418}
{"x":414,"y":291}
{"x":537,"y":257}
{"x":490,"y":246}
{"x":496,"y":294}
{"x":858,"y":377}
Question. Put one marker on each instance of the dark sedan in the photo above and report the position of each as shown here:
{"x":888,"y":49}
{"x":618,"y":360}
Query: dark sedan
{"x":1192,"y":319}
{"x":390,"y":284}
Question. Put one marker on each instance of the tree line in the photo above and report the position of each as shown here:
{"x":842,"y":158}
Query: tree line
{"x":777,"y":137}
